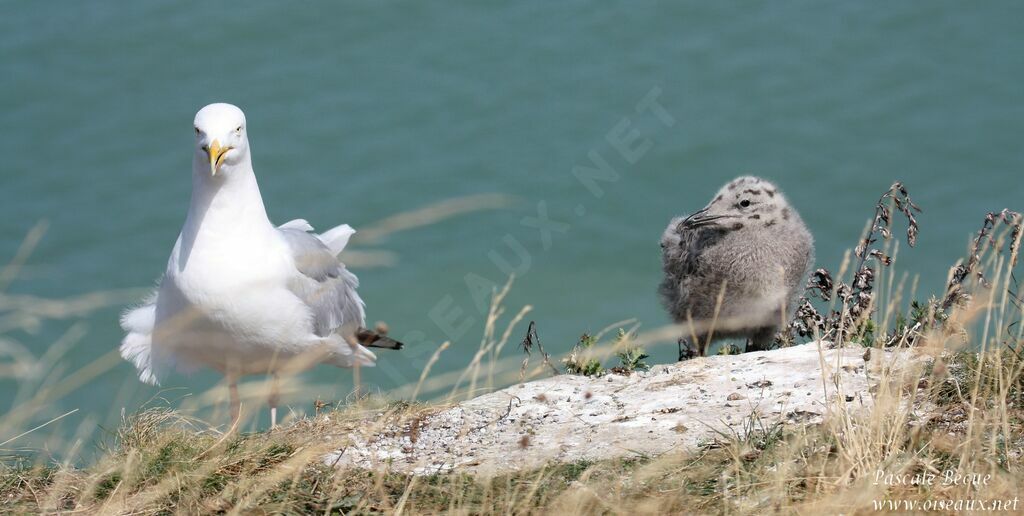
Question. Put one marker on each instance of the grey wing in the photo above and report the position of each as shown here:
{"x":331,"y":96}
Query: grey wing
{"x":681,"y":250}
{"x":675,"y":261}
{"x":677,"y":256}
{"x":323,"y":283}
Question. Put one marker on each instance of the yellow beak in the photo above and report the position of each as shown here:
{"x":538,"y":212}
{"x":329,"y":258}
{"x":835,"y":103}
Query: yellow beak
{"x":216,"y":153}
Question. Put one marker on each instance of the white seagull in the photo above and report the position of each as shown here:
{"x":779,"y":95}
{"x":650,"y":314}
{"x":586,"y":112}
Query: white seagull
{"x":241,"y":295}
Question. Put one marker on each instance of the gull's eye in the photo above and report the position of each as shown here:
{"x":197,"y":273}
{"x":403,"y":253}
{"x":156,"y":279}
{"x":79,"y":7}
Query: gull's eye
{"x":198,"y":132}
{"x":238,"y":129}
{"x":745,"y":203}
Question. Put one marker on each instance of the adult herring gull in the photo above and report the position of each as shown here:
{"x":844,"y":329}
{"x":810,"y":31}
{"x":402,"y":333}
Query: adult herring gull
{"x":241,"y":295}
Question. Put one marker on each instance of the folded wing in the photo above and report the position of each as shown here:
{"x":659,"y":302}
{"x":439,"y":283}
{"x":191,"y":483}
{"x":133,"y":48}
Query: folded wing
{"x":321,"y":280}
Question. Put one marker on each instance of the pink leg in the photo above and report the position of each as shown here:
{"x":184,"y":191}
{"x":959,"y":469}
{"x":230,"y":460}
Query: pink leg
{"x":273,"y":399}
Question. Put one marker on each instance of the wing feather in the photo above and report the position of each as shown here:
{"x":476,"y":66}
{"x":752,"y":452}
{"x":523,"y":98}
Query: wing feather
{"x":323,"y":283}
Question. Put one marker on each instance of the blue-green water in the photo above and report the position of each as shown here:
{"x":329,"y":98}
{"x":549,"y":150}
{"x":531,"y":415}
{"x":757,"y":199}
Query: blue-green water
{"x":361,"y":110}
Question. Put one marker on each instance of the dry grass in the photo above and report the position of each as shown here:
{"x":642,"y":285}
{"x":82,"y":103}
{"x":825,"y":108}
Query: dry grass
{"x":961,"y":415}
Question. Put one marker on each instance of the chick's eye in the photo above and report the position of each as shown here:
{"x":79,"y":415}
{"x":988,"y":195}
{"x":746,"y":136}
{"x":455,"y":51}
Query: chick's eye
{"x":745,"y":203}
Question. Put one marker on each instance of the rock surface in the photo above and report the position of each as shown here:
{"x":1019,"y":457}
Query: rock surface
{"x":677,"y":406}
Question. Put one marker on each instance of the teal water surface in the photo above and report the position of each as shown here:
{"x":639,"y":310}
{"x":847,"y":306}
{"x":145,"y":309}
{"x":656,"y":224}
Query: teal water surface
{"x":358,"y":111}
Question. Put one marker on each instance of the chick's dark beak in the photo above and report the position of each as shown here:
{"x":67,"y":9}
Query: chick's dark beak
{"x":701,"y":218}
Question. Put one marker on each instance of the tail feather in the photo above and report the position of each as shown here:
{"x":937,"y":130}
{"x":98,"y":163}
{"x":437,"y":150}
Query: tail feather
{"x":137,"y":346}
{"x":345,"y":353}
{"x":372,"y":339}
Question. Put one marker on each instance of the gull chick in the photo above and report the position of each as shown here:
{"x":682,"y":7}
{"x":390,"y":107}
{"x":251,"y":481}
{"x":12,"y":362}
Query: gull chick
{"x":734,"y":268}
{"x":241,"y":295}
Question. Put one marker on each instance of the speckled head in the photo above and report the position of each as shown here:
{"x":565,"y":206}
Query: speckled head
{"x":746,"y":201}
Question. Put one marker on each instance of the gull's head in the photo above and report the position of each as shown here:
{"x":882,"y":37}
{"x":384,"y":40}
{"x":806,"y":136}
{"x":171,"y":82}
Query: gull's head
{"x":744,"y":201}
{"x":221,"y":139}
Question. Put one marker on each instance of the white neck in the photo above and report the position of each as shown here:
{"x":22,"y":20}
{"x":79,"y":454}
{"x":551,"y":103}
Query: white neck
{"x":223,"y":208}
{"x":232,"y":197}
